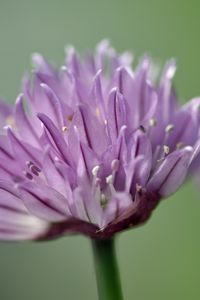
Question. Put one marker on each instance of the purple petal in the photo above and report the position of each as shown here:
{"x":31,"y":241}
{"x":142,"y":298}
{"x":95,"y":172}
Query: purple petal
{"x":52,"y":174}
{"x":117,"y":205}
{"x":23,"y":152}
{"x":116,"y":113}
{"x":142,"y":147}
{"x":44,"y":202}
{"x":41,"y":64}
{"x":55,"y":108}
{"x":88,"y":125}
{"x":24,"y":126}
{"x":6,"y":113}
{"x":172,"y":172}
{"x":87,"y":160}
{"x":56,"y":137}
{"x":87,"y":208}
{"x":15,"y":222}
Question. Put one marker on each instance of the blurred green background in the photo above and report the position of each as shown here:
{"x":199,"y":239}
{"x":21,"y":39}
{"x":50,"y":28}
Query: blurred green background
{"x":161,"y":259}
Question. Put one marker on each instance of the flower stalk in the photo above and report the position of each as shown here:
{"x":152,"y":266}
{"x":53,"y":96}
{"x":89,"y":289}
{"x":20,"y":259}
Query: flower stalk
{"x":107,"y":275}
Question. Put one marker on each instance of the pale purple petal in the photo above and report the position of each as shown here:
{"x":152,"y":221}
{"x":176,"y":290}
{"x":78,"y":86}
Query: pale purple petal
{"x":44,"y":202}
{"x":171,"y":174}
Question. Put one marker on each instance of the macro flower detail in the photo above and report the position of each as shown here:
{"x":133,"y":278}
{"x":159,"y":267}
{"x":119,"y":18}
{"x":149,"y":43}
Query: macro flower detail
{"x":92,"y":148}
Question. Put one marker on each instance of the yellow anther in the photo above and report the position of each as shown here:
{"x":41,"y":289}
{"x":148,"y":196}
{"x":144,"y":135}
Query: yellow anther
{"x":70,"y":118}
{"x":97,"y":112}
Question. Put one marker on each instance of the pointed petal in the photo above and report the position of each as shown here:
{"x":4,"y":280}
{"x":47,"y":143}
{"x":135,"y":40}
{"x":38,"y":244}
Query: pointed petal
{"x":88,"y":125}
{"x":171,"y":173}
{"x":87,"y":160}
{"x":141,"y":148}
{"x":15,"y":222}
{"x":116,"y":115}
{"x":52,"y":174}
{"x":116,"y":206}
{"x":55,"y":109}
{"x":23,"y":124}
{"x":23,"y":151}
{"x":72,"y":61}
{"x":56,"y":137}
{"x":79,"y":206}
{"x":41,"y":64}
{"x":165,"y":93}
{"x":44,"y":202}
{"x":6,"y":112}
{"x":123,"y":79}
{"x":87,"y":208}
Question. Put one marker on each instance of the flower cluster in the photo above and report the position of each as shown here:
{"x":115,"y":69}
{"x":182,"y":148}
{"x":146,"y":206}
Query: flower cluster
{"x":93,"y":147}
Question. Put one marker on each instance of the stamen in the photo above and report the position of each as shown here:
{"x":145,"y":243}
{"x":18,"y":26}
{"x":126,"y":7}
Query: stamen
{"x":97,"y":181}
{"x":103,"y":200}
{"x":97,"y":112}
{"x":64,"y":128}
{"x":141,"y":127}
{"x":152,"y":122}
{"x":100,"y":229}
{"x":28,"y":175}
{"x":29,"y":163}
{"x":63,"y":68}
{"x":115,"y":165}
{"x":70,"y":118}
{"x":138,"y":188}
{"x":169,"y":128}
{"x":166,"y":149}
{"x":35,"y":170}
{"x":95,"y":170}
{"x":109,"y":179}
{"x":179,"y":145}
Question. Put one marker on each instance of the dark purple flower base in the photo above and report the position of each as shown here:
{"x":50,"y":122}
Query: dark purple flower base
{"x":137,"y":215}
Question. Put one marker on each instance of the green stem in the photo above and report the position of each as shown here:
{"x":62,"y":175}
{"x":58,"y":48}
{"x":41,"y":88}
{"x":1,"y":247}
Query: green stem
{"x":107,"y":275}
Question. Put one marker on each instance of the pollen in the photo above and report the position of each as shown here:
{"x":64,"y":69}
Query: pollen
{"x":97,"y":112}
{"x":70,"y":118}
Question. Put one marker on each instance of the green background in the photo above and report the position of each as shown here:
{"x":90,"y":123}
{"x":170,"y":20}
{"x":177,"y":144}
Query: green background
{"x":161,"y":259}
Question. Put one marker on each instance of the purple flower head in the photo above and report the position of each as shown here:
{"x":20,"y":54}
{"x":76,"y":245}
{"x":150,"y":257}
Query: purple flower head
{"x":93,"y":147}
